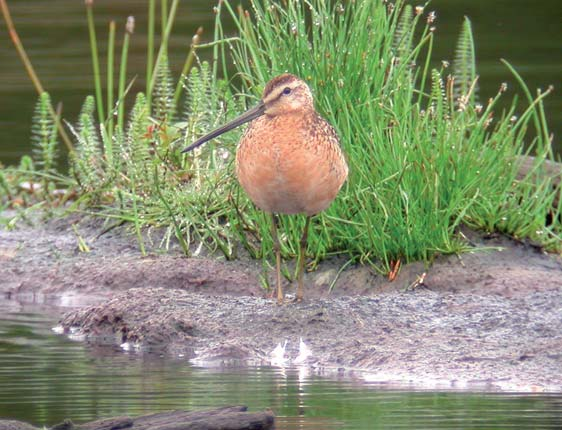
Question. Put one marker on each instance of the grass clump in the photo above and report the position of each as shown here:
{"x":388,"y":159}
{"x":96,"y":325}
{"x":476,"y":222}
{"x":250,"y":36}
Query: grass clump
{"x":424,"y":155}
{"x":421,"y":162}
{"x":35,"y":183}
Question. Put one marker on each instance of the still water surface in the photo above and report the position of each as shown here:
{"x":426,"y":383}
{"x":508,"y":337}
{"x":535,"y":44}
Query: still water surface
{"x":45,"y":378}
{"x":528,"y":34}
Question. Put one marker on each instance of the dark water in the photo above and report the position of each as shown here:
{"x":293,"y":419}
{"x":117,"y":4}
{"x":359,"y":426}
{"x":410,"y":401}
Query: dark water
{"x":528,"y":34}
{"x":45,"y":378}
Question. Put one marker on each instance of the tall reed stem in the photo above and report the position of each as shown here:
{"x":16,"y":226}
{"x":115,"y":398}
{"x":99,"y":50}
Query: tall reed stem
{"x":95,"y":61}
{"x":188,"y":63}
{"x":163,"y":45}
{"x":164,"y":14}
{"x":31,"y":72}
{"x":110,"y":61}
{"x":150,"y":51}
{"x":129,"y":29}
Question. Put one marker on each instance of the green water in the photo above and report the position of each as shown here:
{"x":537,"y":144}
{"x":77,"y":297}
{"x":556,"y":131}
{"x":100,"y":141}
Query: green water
{"x":528,"y":34}
{"x":45,"y":378}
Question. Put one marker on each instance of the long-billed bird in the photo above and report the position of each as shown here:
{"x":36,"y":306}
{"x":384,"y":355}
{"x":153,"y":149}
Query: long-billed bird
{"x":288,"y":161}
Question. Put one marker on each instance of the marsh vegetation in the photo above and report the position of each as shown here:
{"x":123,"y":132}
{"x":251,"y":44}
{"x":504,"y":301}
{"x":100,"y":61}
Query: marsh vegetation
{"x":425,"y":154}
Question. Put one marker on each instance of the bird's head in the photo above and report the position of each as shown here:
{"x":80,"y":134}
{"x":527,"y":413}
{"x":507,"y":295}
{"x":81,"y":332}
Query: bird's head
{"x":282,"y":95}
{"x":287,"y":94}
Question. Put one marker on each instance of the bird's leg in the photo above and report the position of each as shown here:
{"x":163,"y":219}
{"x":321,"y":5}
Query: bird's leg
{"x":277,"y":248}
{"x":302,"y":260}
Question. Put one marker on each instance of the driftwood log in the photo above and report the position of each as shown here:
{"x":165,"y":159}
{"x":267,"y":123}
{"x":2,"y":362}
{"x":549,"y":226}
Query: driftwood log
{"x":228,"y":418}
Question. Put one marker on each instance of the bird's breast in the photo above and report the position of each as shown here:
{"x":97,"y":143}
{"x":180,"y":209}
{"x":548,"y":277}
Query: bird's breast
{"x":287,"y":165}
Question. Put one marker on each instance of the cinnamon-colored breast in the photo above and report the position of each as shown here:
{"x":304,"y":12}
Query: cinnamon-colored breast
{"x":291,"y":163}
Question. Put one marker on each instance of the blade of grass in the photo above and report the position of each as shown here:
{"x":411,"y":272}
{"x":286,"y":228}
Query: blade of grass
{"x":95,"y":59}
{"x":110,"y":71}
{"x":163,"y":45}
{"x":129,"y":30}
{"x":187,"y":64}
{"x":163,"y":15}
{"x":150,"y":51}
{"x":177,"y":229}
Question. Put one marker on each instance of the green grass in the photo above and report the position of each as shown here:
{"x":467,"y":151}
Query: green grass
{"x":424,"y":156}
{"x":421,"y":163}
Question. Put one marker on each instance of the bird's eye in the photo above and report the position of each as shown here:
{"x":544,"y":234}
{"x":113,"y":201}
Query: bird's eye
{"x":287,"y":90}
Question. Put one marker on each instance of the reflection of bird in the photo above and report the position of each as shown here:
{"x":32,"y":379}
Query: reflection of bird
{"x":289,"y":159}
{"x":304,"y":353}
{"x":278,"y":354}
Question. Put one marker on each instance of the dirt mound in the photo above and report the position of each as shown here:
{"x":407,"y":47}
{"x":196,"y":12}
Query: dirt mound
{"x":490,"y":341}
{"x":490,"y":318}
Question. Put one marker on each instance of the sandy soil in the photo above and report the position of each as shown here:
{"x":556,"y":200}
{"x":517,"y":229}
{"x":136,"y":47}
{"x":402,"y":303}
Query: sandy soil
{"x":486,"y":320}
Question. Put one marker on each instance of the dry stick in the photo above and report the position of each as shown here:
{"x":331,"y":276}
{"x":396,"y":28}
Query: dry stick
{"x":31,"y":72}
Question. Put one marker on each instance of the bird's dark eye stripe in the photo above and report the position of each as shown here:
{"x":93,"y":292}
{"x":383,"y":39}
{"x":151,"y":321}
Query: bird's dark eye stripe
{"x":287,"y":90}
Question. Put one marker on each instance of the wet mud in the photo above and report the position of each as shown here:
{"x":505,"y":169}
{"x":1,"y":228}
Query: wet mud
{"x":489,"y":319}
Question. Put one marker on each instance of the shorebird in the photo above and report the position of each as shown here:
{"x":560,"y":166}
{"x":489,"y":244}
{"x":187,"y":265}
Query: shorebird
{"x":288,"y":161}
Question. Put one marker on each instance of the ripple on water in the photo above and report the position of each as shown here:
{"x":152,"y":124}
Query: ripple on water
{"x":44,"y":378}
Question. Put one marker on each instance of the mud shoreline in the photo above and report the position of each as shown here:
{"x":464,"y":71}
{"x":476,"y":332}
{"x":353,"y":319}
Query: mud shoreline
{"x":490,"y":319}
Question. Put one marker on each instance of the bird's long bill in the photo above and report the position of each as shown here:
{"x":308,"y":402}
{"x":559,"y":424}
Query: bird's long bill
{"x":249,"y":115}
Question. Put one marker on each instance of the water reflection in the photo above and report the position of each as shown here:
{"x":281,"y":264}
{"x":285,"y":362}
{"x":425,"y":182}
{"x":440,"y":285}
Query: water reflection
{"x":45,"y":378}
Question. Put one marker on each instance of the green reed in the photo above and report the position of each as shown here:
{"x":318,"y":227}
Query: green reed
{"x":422,"y":163}
{"x":425,"y":157}
{"x":129,"y":30}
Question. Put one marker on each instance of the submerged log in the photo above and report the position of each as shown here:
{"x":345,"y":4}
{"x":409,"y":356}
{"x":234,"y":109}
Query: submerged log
{"x":228,"y":418}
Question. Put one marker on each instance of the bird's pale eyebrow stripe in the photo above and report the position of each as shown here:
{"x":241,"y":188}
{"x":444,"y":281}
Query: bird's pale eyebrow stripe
{"x":277,"y":82}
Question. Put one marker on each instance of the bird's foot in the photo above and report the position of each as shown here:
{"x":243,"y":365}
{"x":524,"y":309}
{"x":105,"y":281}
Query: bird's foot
{"x":291,"y":298}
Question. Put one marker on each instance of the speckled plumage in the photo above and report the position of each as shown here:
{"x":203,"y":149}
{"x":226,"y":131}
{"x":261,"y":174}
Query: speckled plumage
{"x":289,"y":161}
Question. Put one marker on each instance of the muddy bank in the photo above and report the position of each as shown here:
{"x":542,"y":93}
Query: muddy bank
{"x":422,"y":337}
{"x":490,"y":319}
